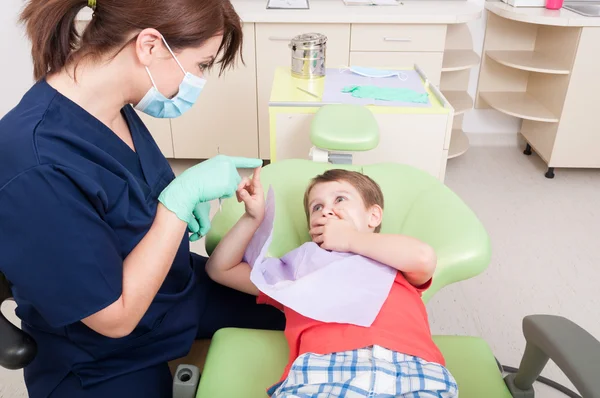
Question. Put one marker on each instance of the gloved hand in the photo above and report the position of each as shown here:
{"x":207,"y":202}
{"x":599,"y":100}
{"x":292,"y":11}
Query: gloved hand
{"x":188,"y":195}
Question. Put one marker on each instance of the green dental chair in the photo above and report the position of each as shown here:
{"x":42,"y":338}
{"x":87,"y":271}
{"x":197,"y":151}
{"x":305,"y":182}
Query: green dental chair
{"x":244,"y":363}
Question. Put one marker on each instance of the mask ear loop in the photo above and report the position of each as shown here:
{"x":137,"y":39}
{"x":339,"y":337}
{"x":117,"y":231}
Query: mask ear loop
{"x":151,"y":79}
{"x":176,"y":60}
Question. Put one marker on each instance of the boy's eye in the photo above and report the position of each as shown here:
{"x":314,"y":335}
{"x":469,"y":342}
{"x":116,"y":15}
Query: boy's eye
{"x":317,"y":208}
{"x":339,"y":199}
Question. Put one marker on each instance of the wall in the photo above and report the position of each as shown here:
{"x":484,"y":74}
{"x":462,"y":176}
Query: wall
{"x":16,"y":71}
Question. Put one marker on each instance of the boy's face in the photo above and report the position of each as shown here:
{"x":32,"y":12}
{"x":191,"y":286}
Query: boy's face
{"x":326,"y":197}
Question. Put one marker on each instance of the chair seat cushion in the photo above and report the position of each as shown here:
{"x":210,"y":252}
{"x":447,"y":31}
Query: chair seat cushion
{"x":244,"y":363}
{"x":344,"y":128}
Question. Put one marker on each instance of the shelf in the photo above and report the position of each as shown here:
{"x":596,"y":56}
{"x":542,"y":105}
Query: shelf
{"x":459,"y":144}
{"x":532,"y":61}
{"x":461,"y":101}
{"x":459,"y":60}
{"x":519,"y":104}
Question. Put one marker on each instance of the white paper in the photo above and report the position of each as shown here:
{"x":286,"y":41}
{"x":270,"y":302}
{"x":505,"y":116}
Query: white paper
{"x":287,"y":4}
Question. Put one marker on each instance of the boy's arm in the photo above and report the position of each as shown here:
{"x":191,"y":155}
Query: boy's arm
{"x":225,"y":265}
{"x":415,"y":259}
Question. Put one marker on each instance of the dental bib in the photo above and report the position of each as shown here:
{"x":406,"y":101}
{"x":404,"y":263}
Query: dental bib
{"x":318,"y":284}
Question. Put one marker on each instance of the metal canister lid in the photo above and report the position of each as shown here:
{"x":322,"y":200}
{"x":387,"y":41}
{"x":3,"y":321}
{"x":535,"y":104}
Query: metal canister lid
{"x":306,"y":41}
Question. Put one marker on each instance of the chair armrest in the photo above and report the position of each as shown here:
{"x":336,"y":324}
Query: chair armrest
{"x":574,"y":350}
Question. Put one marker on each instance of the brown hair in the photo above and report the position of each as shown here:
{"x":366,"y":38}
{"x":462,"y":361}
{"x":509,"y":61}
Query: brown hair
{"x":183,"y":23}
{"x":368,"y":189}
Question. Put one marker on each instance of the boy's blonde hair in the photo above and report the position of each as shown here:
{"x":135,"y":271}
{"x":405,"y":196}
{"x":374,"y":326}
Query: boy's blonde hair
{"x":368,"y":189}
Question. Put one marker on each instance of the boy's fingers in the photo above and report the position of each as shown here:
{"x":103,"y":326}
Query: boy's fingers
{"x":318,"y":239}
{"x":322,"y":221}
{"x":316,"y":231}
{"x":256,"y":176}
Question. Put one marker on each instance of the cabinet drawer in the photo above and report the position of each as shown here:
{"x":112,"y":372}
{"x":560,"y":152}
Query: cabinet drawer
{"x":272,"y":51}
{"x":429,"y":62}
{"x":387,"y":37}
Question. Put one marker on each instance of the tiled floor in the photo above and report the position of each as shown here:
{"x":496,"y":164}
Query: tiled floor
{"x":546,"y":257}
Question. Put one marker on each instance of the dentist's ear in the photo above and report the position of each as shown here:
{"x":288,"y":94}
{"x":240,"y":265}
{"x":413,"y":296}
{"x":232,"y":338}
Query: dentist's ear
{"x":148,"y":45}
{"x":375,"y":216}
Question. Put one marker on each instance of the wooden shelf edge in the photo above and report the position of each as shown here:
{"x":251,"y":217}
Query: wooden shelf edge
{"x":461,"y":101}
{"x":459,"y":143}
{"x":456,"y":60}
{"x":513,"y":104}
{"x":513,"y":59}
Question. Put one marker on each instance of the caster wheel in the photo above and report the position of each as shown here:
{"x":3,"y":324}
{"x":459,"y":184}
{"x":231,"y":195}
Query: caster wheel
{"x":527,"y":150}
{"x":550,"y":172}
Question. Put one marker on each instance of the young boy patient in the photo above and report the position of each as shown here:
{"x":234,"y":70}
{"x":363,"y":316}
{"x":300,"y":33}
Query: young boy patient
{"x":395,"y":356}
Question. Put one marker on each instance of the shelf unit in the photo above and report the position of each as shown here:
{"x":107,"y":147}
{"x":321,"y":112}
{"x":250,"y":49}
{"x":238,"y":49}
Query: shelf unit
{"x":459,"y":59}
{"x":546,"y":76}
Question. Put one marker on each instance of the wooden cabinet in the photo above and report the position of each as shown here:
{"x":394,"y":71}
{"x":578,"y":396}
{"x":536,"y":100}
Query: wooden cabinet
{"x":225,"y":116}
{"x":545,"y":75}
{"x":392,"y":37}
{"x":272,"y":51}
{"x":232,"y":113}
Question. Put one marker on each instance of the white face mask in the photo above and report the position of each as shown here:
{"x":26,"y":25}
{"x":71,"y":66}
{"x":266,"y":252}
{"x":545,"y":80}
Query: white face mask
{"x":375,"y":72}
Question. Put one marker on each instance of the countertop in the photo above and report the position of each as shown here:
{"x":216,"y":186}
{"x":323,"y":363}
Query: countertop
{"x":285,"y":93}
{"x":541,"y":15}
{"x":334,"y":11}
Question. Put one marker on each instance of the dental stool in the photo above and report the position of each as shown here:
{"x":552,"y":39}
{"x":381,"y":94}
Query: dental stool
{"x":339,"y":129}
{"x":243,"y":363}
{"x":17,"y":348}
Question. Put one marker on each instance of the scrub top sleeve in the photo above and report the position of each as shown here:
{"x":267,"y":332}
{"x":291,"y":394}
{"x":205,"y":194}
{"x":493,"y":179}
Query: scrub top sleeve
{"x":56,"y":249}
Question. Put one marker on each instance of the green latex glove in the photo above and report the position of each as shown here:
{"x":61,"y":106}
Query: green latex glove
{"x":188,"y":195}
{"x":387,"y":94}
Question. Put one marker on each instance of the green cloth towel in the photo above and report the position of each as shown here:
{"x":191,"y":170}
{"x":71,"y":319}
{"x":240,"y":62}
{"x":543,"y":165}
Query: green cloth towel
{"x":387,"y":94}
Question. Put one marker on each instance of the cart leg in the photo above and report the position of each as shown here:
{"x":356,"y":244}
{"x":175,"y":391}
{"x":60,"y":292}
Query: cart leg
{"x":550,"y":172}
{"x":527,"y":150}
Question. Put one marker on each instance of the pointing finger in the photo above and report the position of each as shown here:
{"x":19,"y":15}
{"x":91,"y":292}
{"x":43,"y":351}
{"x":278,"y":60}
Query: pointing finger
{"x":246,"y":163}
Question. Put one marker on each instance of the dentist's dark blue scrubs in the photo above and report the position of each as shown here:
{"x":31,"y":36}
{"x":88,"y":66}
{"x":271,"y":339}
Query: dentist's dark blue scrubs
{"x":74,"y":201}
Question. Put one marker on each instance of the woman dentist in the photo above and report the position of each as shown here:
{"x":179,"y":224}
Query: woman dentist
{"x":93,"y":223}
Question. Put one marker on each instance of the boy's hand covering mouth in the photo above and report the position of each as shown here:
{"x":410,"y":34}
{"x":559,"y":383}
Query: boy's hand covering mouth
{"x":335,"y":234}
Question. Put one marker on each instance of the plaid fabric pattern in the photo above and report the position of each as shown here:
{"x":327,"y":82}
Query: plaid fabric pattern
{"x":367,"y":372}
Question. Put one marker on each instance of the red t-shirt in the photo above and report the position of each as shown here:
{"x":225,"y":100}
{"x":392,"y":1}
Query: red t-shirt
{"x":400,"y":326}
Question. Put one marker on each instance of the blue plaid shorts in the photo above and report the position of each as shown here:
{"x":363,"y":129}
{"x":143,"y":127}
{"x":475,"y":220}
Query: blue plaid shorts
{"x":367,"y":372}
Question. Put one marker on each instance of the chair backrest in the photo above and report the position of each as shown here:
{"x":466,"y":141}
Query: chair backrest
{"x":416,"y":204}
{"x":17,"y":348}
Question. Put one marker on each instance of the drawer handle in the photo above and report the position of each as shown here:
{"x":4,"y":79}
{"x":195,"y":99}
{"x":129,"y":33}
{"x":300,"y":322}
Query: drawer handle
{"x":401,"y":39}
{"x":278,"y":38}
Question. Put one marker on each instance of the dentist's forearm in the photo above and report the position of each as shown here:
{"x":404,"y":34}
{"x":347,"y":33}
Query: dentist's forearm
{"x":144,"y":271}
